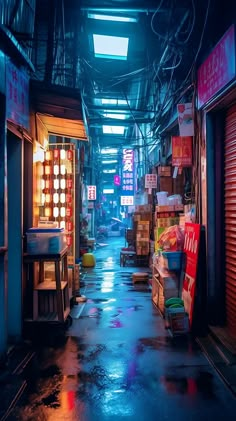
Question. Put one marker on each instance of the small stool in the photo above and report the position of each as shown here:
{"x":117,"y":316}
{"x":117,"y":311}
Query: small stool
{"x":140,"y":277}
{"x":88,"y":260}
{"x":126,"y":256}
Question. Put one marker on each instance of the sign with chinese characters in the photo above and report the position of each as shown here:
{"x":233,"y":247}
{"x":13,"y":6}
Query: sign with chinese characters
{"x":185,"y":119}
{"x":17,"y":95}
{"x":218,"y":69}
{"x":191,"y":250}
{"x":127,"y":185}
{"x":92,"y":193}
{"x":117,"y":180}
{"x":127,"y":200}
{"x":150,"y":181}
{"x":181,"y":151}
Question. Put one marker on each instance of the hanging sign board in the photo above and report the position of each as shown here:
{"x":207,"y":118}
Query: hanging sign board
{"x":17,"y":95}
{"x":150,"y":181}
{"x":185,"y":119}
{"x":191,"y":250}
{"x":182,"y":151}
{"x":218,"y":69}
{"x":127,"y":185}
{"x":92,"y":193}
{"x":127,"y":200}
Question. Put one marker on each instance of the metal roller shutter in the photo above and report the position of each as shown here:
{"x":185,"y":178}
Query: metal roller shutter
{"x":230,"y":219}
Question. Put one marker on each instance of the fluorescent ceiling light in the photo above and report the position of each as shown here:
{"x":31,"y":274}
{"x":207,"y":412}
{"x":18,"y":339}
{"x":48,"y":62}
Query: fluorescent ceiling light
{"x":113,"y":18}
{"x":116,"y":116}
{"x":109,"y":151}
{"x":106,"y":46}
{"x":113,"y":129}
{"x":112,"y":161}
{"x":114,"y":101}
{"x":109,"y":171}
{"x":108,"y":191}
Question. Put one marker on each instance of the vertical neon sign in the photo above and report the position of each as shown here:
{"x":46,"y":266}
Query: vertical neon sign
{"x":127,"y":185}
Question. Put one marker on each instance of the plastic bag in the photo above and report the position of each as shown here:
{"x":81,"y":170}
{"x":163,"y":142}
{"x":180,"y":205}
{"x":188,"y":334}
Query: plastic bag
{"x":172,"y":239}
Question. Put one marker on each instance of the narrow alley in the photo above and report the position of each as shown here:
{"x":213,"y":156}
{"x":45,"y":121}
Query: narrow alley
{"x":118,"y":362}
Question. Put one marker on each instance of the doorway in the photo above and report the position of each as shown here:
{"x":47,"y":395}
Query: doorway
{"x":14,"y":209}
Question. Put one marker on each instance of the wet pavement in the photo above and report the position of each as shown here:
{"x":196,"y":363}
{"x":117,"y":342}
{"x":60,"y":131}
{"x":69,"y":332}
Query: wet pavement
{"x":118,"y":362}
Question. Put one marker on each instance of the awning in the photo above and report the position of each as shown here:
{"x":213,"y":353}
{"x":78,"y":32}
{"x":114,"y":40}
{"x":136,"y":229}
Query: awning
{"x":59,"y":109}
{"x":63,"y":127}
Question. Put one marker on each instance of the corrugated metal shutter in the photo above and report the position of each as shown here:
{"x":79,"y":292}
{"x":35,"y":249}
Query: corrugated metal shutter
{"x":230,"y":218}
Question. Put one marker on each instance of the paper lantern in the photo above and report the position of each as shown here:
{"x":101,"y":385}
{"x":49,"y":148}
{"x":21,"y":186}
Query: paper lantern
{"x":47,"y":170}
{"x":48,"y":198}
{"x":56,"y":169}
{"x":56,"y":154}
{"x":63,"y":212}
{"x":56,"y":184}
{"x":48,"y":212}
{"x":68,"y":212}
{"x":63,"y":183}
{"x":48,"y":155}
{"x":69,"y":183}
{"x":62,"y":154}
{"x":62,"y":197}
{"x":62,"y":224}
{"x":55,"y":212}
{"x":55,"y":198}
{"x":62,"y":169}
{"x":70,"y":155}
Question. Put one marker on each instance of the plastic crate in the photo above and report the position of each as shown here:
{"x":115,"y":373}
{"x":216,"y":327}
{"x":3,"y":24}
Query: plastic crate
{"x":45,"y":240}
{"x":172,"y":259}
{"x":177,"y":320}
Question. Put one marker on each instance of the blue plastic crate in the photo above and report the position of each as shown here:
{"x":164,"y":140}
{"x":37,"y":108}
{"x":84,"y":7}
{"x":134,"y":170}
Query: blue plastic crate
{"x":172,"y":259}
{"x":45,"y":240}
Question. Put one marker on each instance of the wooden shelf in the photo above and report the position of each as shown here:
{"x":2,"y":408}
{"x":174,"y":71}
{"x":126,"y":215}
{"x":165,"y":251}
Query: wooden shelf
{"x":49,"y":286}
{"x":52,"y":317}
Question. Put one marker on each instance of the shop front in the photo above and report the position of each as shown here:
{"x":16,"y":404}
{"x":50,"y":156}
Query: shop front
{"x":15,"y":156}
{"x":217,"y":99}
{"x":57,"y":131}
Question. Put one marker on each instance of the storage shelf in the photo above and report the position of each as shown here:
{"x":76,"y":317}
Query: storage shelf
{"x":49,"y":286}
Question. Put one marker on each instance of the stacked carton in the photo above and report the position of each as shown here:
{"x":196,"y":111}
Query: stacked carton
{"x":142,"y":238}
{"x":164,"y":217}
{"x":142,"y":222}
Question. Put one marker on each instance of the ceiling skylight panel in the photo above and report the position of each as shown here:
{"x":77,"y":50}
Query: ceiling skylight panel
{"x":116,"y":116}
{"x":111,"y":18}
{"x":109,"y":151}
{"x":106,"y":46}
{"x":113,"y":129}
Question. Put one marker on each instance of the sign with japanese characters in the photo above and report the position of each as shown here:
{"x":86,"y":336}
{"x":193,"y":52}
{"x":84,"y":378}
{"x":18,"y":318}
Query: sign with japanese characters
{"x":127,"y":185}
{"x":218,"y":69}
{"x":191,"y":250}
{"x":92,"y":193}
{"x":127,"y":200}
{"x":17,"y":95}
{"x":181,"y":151}
{"x":150,"y":181}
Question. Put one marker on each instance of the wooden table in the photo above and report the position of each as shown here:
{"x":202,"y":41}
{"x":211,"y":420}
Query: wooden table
{"x":54,"y":294}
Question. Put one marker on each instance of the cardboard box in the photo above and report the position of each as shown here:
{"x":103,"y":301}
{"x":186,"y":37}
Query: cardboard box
{"x":165,"y":208}
{"x":166,"y":184}
{"x":164,"y":171}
